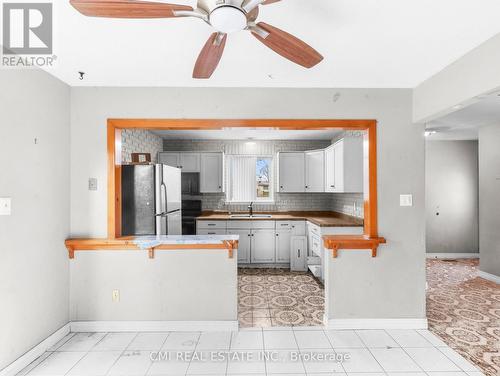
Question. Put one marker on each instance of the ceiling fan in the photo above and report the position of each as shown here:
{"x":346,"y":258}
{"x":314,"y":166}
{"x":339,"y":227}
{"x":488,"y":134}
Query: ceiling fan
{"x":225,"y":16}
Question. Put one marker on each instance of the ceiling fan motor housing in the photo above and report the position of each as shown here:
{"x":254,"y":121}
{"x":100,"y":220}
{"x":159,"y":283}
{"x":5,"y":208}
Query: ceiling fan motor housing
{"x":226,"y":16}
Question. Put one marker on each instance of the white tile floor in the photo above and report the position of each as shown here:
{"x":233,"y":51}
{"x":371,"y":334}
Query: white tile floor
{"x":371,"y":352}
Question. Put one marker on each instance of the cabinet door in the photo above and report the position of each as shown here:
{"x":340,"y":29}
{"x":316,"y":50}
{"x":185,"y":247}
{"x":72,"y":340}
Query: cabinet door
{"x":291,"y":172}
{"x":211,"y":172}
{"x":170,"y":159}
{"x":243,"y":245}
{"x":315,"y":171}
{"x":298,"y":254}
{"x":262,"y":248}
{"x":339,"y":167}
{"x":283,"y":239}
{"x":189,"y":162}
{"x":330,"y":169}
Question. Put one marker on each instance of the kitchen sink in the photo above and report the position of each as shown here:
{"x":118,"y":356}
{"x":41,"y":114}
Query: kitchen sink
{"x":250,"y":216}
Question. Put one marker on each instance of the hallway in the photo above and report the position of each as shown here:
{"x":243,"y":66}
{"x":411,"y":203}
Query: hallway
{"x":464,"y":311}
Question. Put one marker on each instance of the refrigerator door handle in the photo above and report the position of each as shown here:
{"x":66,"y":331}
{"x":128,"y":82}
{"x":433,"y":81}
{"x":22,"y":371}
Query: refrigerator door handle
{"x":164,"y":198}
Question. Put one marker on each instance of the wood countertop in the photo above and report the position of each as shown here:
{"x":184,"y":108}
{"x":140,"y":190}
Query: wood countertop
{"x":319,"y":218}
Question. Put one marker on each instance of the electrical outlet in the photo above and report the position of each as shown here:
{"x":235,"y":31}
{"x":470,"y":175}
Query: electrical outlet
{"x":115,"y":296}
{"x":92,"y":184}
{"x":405,"y":200}
{"x":5,"y":205}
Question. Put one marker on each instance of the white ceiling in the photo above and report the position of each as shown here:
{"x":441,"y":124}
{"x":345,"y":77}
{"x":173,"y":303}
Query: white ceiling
{"x":463,"y":124}
{"x":366,"y":43}
{"x":248,"y":133}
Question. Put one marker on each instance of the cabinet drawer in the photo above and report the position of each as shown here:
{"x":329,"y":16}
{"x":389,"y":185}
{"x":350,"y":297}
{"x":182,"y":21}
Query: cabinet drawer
{"x":299,"y":228}
{"x":211,"y":224}
{"x":263,"y":224}
{"x":258,"y":224}
{"x":207,"y":231}
{"x":316,"y":230}
{"x":284,"y":224}
{"x":237,"y":224}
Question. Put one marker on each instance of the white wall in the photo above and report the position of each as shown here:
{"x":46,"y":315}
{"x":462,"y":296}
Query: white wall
{"x":33,"y":260}
{"x":473,"y":74}
{"x":451,"y":196}
{"x":489,"y":200}
{"x":393,"y":285}
{"x":186,"y":285}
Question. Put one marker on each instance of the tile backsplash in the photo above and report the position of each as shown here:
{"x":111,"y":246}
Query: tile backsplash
{"x":348,"y":203}
{"x":140,"y":141}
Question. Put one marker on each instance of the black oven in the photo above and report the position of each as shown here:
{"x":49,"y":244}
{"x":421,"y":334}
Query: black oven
{"x":191,"y":209}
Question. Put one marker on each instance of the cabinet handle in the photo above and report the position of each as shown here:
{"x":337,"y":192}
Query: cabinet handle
{"x":281,"y":186}
{"x":211,"y":233}
{"x":211,"y":224}
{"x":298,"y":253}
{"x":307,"y":186}
{"x":277,"y":234}
{"x":332,"y":186}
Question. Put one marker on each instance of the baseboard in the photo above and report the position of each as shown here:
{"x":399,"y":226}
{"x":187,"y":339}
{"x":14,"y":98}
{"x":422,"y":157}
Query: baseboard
{"x":452,"y":255}
{"x":22,"y":362}
{"x":489,"y":277}
{"x":377,"y":324}
{"x":152,"y":326}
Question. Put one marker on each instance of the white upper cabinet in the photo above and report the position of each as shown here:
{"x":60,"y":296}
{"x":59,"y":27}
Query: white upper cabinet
{"x":315,"y":171}
{"x":188,"y":162}
{"x":170,"y":159}
{"x":291,"y":172}
{"x":344,"y":166}
{"x":211,"y":172}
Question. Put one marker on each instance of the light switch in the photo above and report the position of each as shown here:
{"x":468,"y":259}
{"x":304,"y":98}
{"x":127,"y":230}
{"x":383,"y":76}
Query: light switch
{"x":405,"y":200}
{"x":5,"y":205}
{"x":92,"y":184}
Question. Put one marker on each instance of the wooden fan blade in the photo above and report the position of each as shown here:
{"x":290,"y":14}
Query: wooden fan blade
{"x":288,"y":46}
{"x":126,"y":8}
{"x":210,"y":55}
{"x":267,"y":2}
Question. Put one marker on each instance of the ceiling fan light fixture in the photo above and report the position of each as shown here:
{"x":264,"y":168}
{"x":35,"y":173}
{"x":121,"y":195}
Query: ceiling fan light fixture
{"x":228,"y":19}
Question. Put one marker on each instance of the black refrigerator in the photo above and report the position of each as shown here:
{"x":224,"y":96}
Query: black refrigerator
{"x":151,"y":200}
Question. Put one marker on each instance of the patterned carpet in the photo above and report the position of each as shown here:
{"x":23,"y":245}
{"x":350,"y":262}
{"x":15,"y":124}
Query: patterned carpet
{"x":464,"y":310}
{"x":278,"y":297}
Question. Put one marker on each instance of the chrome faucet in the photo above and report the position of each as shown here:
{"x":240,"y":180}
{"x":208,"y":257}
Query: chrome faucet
{"x":250,"y":208}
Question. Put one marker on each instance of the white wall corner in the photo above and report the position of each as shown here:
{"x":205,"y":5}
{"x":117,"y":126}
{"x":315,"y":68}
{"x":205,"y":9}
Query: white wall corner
{"x":489,"y":277}
{"x":353,"y":324}
{"x":23,"y":361}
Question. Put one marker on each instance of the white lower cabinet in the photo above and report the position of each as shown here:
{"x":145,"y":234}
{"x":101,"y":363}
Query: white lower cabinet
{"x":262,"y":246}
{"x":283,"y":242}
{"x":244,"y":244}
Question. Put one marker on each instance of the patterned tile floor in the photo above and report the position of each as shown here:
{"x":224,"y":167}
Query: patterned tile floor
{"x":464,"y":311}
{"x":278,"y":297}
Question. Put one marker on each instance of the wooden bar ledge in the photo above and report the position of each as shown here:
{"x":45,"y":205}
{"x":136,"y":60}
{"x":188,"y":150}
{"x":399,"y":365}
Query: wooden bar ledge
{"x":125,"y":244}
{"x":337,"y":242}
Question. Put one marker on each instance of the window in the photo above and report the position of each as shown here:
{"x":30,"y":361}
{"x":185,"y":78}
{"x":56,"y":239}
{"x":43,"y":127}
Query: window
{"x":249,"y":178}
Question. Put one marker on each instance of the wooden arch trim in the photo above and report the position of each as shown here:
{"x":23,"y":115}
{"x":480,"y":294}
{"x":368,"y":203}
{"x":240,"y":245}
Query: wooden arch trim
{"x":115,"y":127}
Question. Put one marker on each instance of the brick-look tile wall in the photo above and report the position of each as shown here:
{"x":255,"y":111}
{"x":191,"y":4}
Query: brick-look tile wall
{"x":140,"y":141}
{"x":339,"y":202}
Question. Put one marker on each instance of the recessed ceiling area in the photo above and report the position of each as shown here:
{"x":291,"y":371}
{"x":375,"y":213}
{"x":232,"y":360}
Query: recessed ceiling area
{"x":248,"y":134}
{"x":365,"y":44}
{"x":463,"y":124}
